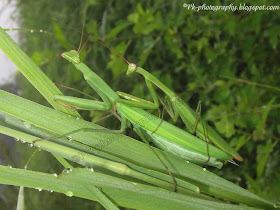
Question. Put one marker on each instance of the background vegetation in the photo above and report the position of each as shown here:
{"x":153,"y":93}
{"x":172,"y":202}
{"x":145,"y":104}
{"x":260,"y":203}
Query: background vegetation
{"x":228,"y":60}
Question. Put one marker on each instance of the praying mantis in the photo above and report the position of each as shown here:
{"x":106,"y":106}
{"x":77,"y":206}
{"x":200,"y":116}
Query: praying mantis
{"x":130,"y":110}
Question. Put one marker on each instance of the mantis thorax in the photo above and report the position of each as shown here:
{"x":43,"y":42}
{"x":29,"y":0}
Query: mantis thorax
{"x":72,"y":56}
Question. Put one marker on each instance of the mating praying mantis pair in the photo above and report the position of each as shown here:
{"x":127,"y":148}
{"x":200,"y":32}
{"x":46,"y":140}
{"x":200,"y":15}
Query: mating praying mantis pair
{"x":131,"y":111}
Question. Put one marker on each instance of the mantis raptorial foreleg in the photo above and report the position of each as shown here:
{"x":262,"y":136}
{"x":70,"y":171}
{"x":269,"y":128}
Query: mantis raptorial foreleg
{"x":138,"y":102}
{"x":86,"y":104}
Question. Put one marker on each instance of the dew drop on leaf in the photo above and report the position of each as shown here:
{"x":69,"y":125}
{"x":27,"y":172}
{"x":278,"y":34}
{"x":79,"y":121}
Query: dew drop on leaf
{"x":69,"y":193}
{"x":67,"y":170}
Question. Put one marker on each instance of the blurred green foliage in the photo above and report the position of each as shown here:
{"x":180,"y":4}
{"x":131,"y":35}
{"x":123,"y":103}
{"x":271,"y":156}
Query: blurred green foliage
{"x":228,"y":60}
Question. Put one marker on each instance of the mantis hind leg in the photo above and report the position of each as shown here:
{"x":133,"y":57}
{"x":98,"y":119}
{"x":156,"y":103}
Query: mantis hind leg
{"x":192,"y":128}
{"x":161,"y":114}
{"x":198,"y":116}
{"x":170,"y":108}
{"x":206,"y":138}
{"x":145,"y":138}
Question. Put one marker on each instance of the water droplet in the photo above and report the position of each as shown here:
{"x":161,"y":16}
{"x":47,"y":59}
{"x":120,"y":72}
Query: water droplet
{"x":10,"y":166}
{"x":55,"y":175}
{"x":67,"y":170}
{"x":204,"y":169}
{"x":69,"y":138}
{"x":17,"y":139}
{"x":69,"y":193}
{"x":31,"y":31}
{"x":27,"y":124}
{"x":39,"y":189}
{"x":41,"y":30}
{"x":51,"y":191}
{"x":30,"y":145}
{"x":188,"y":161}
{"x":91,"y":169}
{"x":22,"y":141}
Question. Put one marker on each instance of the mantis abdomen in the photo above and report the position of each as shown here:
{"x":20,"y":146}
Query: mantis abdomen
{"x":172,"y":139}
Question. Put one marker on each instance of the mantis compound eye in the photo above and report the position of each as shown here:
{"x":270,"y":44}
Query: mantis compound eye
{"x":134,"y":66}
{"x":131,"y":68}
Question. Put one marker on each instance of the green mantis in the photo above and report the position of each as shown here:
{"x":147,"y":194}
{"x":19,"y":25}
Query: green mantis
{"x":130,"y":110}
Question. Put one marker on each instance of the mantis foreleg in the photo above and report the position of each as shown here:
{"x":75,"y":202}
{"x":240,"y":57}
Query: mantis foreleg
{"x":138,"y":102}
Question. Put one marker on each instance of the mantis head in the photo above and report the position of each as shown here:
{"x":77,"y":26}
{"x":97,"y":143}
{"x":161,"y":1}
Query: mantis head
{"x":72,"y":56}
{"x":131,"y":68}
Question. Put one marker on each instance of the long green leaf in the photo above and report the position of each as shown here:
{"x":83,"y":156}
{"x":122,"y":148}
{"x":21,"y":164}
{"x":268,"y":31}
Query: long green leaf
{"x":126,"y":150}
{"x":31,"y":71}
{"x":124,"y":193}
{"x":14,"y":127}
{"x":95,"y":161}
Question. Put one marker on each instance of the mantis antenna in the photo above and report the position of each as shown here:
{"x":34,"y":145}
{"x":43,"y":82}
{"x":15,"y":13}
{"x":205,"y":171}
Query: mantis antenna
{"x":113,"y":51}
{"x":85,"y":43}
{"x":83,"y":28}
